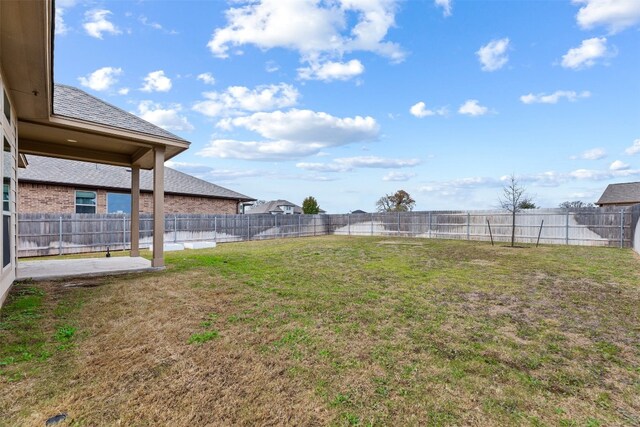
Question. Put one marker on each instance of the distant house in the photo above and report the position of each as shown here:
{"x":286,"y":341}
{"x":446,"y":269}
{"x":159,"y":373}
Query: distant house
{"x":624,"y":194}
{"x":51,"y":185}
{"x":277,"y":207}
{"x":358,"y":211}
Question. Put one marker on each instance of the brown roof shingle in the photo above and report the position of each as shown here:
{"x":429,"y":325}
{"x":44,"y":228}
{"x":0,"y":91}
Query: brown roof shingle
{"x":623,"y":193}
{"x":69,"y":101}
{"x":49,"y":170}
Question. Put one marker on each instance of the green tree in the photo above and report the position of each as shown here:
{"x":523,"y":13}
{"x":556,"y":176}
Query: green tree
{"x":310,"y":206}
{"x":527,"y":203}
{"x":400,"y":201}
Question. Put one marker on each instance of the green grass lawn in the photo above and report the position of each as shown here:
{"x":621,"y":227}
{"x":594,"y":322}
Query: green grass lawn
{"x":333,"y":331}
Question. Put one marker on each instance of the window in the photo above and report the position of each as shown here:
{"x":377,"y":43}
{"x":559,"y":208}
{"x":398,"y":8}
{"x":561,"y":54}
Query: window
{"x":7,"y":107}
{"x":119,"y":203}
{"x":6,"y":203}
{"x":86,"y":202}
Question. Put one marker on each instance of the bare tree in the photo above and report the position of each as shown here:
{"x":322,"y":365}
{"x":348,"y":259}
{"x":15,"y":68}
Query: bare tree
{"x":577,"y":204}
{"x":513,"y":194}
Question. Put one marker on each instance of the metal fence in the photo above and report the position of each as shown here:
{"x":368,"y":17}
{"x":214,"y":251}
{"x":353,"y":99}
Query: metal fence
{"x":49,"y":234}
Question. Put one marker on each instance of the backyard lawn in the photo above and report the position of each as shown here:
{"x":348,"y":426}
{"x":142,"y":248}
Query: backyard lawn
{"x":333,"y":331}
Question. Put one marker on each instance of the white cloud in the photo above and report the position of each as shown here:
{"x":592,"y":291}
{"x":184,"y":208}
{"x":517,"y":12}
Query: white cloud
{"x":123,"y":91}
{"x":586,"y":54}
{"x":210,"y":173}
{"x":96,"y":23}
{"x":166,"y":118}
{"x":101,"y":79}
{"x":420,"y":110}
{"x":616,"y":15}
{"x":156,"y":81}
{"x":493,"y":55}
{"x":472,"y":107}
{"x":329,"y":70}
{"x":61,"y":27}
{"x":553,"y":98}
{"x":291,"y":134}
{"x":237,"y":99}
{"x":618,"y":165}
{"x":312,"y":28}
{"x":461,"y":187}
{"x":453,"y":187}
{"x":602,"y":175}
{"x":271,"y":67}
{"x":207,"y":78}
{"x":145,"y":21}
{"x":445,"y":5}
{"x":61,"y":6}
{"x":634,"y":149}
{"x":345,"y":164}
{"x":592,"y":154}
{"x":398,"y":176}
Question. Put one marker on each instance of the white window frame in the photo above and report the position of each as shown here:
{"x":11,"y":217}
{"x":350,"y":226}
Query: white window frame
{"x":75,"y":200}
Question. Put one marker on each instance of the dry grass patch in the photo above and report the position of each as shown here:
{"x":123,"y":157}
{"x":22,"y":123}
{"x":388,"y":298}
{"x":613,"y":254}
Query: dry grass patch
{"x":334,"y":331}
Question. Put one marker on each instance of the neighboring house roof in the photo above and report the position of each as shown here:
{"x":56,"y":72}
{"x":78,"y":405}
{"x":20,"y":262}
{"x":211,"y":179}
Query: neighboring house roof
{"x":625,"y":193}
{"x":74,"y":103}
{"x":49,"y":170}
{"x":274,"y":206}
{"x":358,"y":211}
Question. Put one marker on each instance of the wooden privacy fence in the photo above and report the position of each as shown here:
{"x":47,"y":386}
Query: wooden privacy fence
{"x":50,"y":234}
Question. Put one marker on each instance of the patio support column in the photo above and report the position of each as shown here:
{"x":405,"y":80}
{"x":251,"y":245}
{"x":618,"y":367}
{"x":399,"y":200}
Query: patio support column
{"x":158,"y":208}
{"x":135,"y":210}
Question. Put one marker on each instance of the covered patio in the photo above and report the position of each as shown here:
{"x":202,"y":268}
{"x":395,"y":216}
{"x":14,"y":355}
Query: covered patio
{"x":62,"y":121}
{"x":86,"y":267}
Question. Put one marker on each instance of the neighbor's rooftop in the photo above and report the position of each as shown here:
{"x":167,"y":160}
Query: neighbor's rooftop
{"x":627,"y":192}
{"x":49,"y":170}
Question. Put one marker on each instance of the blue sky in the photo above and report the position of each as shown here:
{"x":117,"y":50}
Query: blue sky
{"x":348,"y":100}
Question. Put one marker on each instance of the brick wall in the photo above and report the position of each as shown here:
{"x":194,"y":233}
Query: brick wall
{"x":44,"y":198}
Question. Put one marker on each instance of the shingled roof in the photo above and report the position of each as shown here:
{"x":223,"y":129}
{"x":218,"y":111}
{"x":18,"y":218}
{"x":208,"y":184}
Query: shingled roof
{"x":49,"y":170}
{"x":74,"y":103}
{"x":273,"y":206}
{"x":627,"y":193}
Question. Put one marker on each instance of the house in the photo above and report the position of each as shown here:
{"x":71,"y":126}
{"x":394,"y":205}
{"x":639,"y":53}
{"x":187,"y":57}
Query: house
{"x":358,"y":211}
{"x":276,"y":207}
{"x":623,"y":194}
{"x":51,"y":185}
{"x":40,"y":118}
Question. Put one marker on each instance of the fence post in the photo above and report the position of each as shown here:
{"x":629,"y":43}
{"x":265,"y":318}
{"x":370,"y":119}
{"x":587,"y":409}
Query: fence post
{"x":567,"y":228}
{"x":429,"y":224}
{"x":468,"y":225}
{"x":124,"y":233}
{"x":215,"y":229}
{"x":299,"y":224}
{"x":60,"y":237}
{"x":621,"y":228}
{"x":349,"y":224}
{"x":398,"y":223}
{"x":248,"y":228}
{"x":275,"y":225}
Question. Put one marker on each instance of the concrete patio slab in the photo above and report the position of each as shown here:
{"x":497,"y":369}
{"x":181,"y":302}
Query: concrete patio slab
{"x":86,"y":267}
